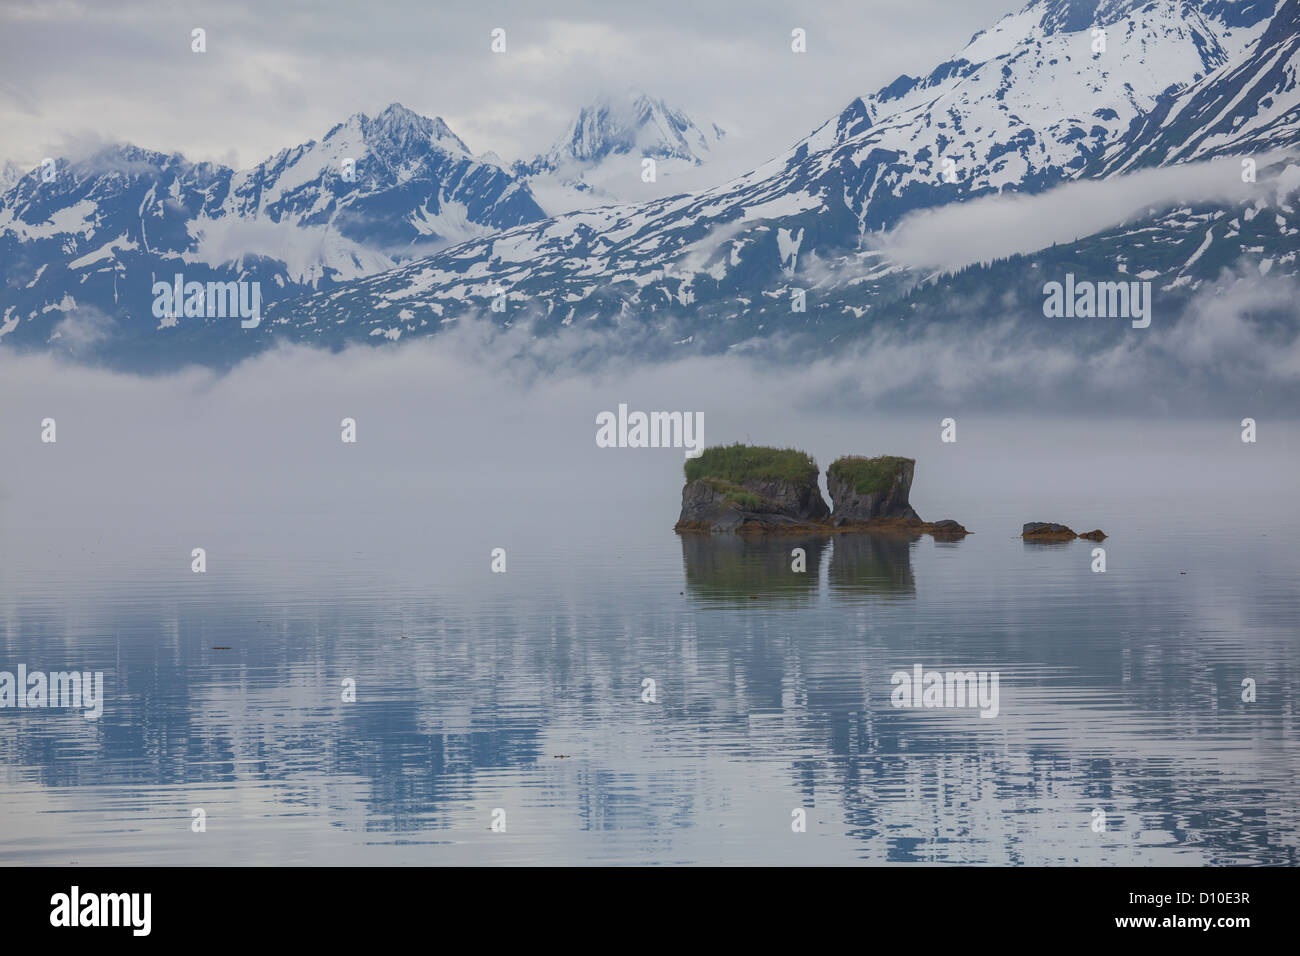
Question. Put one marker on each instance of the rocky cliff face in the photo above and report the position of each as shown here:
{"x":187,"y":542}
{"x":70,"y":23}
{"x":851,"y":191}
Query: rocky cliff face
{"x":710,"y":504}
{"x":804,"y":501}
{"x":870,"y":489}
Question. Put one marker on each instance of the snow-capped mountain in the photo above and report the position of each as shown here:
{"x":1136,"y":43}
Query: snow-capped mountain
{"x":1024,"y":106}
{"x":93,"y":233}
{"x":1245,"y":108}
{"x":391,"y":184}
{"x":1059,"y":91}
{"x":1029,"y":101}
{"x":85,"y":237}
{"x":599,"y":158}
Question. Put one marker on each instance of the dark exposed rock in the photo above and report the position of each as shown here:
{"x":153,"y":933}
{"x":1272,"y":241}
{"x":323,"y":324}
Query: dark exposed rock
{"x":797,"y":500}
{"x":948,"y":527}
{"x":1050,"y":531}
{"x":710,"y":504}
{"x":1047,"y":529}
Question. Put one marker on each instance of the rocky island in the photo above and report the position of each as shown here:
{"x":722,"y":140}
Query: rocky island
{"x":751,"y":489}
{"x":1051,"y":531}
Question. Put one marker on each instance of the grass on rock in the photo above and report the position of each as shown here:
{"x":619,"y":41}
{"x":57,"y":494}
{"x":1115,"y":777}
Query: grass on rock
{"x":868,"y":476}
{"x":739,"y":495}
{"x":738,"y":463}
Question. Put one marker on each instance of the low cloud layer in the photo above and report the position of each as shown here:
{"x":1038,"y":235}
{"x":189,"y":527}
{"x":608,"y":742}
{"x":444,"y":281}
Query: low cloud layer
{"x":994,"y":227}
{"x":1226,"y":346}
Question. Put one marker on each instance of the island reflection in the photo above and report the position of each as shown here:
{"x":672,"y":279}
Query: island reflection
{"x":735,"y":569}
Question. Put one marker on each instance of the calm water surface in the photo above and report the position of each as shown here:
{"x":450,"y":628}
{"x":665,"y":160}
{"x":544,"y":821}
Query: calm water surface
{"x":1119,"y":692}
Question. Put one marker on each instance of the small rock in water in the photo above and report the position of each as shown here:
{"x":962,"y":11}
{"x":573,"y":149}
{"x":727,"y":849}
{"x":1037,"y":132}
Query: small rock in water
{"x":948,"y":527}
{"x":1046,"y":529}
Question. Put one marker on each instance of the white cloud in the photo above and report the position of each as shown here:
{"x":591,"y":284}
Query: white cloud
{"x":994,"y":227}
{"x":276,"y":75}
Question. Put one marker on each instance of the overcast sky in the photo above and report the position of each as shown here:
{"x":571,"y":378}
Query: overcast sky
{"x":278,"y":73}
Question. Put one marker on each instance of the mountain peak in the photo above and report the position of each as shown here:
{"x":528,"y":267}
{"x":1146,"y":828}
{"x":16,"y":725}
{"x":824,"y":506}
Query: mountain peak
{"x":597,"y":159}
{"x":631,"y":122}
{"x":404,"y":128}
{"x":1073,"y":16}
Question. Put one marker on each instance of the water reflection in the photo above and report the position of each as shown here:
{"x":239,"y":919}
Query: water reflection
{"x":525,"y":691}
{"x":731,"y":568}
{"x":874,"y":564}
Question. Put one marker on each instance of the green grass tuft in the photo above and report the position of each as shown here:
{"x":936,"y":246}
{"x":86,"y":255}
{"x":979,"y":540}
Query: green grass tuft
{"x":868,"y":476}
{"x":739,"y":495}
{"x":738,"y":463}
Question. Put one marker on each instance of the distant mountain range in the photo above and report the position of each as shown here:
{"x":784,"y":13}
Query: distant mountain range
{"x":425,"y":233}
